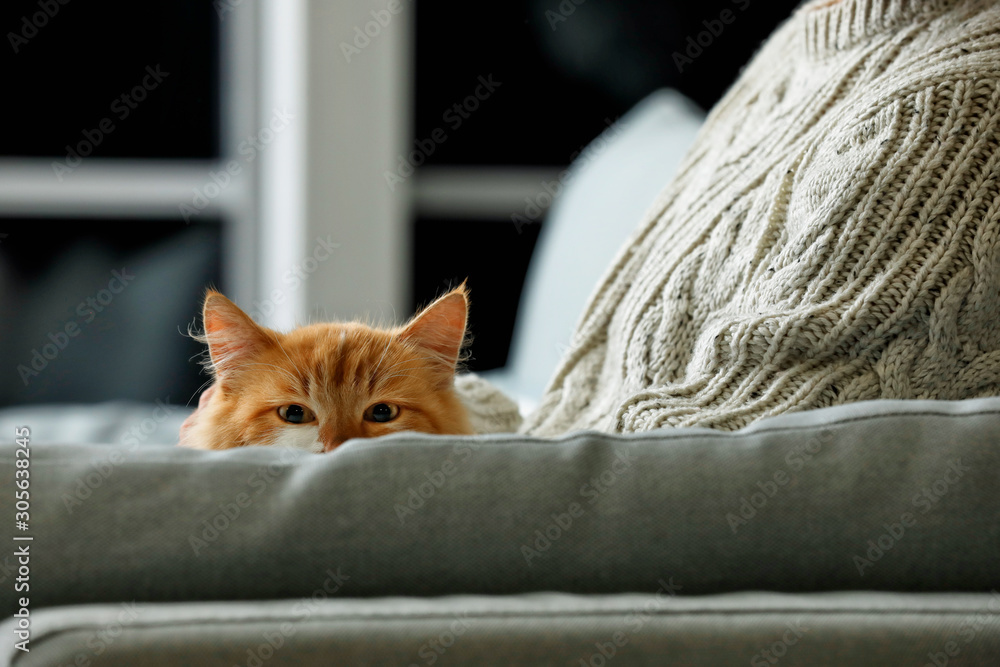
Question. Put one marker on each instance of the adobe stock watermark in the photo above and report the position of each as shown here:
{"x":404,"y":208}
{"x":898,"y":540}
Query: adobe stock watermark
{"x":927,"y":499}
{"x":561,"y":14}
{"x":967,"y":632}
{"x":593,"y":490}
{"x":797,"y":458}
{"x":102,"y":639}
{"x":303,"y":610}
{"x":137,"y":433}
{"x":454,"y":117}
{"x":536,"y":206}
{"x":294,"y":277}
{"x":121,"y":108}
{"x":30,"y":25}
{"x":418,"y":496}
{"x":714,"y":28}
{"x":435,"y":647}
{"x":249,"y":148}
{"x":362,"y":37}
{"x":87,"y":311}
{"x":226,"y":513}
{"x":776,"y":650}
{"x":634,"y":623}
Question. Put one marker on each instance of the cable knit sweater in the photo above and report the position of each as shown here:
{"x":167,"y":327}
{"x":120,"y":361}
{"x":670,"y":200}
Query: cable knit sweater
{"x":832,"y":236}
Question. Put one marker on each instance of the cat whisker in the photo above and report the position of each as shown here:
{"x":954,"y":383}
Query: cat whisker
{"x":196,"y":391}
{"x":399,"y":375}
{"x":426,"y":358}
{"x":423,"y":358}
{"x":392,"y":339}
{"x":396,"y":369}
{"x":281,"y":347}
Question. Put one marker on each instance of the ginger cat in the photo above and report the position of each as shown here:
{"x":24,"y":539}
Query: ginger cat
{"x":319,"y":385}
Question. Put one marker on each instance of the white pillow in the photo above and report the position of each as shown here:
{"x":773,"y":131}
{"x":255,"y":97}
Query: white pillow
{"x":604,"y":197}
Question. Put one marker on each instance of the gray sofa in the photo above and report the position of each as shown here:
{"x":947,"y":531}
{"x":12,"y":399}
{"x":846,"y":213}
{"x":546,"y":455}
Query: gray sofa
{"x":865,"y":534}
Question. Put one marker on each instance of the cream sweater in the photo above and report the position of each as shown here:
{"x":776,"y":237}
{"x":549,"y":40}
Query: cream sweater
{"x":832,"y":236}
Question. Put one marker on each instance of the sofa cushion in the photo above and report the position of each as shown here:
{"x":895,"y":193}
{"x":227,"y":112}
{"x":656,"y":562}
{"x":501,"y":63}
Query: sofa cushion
{"x":884,"y":495}
{"x":885,"y":629}
{"x":108,"y":422}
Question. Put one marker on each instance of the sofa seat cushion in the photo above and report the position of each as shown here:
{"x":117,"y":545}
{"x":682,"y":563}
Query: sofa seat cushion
{"x":884,"y":495}
{"x":654,"y":629}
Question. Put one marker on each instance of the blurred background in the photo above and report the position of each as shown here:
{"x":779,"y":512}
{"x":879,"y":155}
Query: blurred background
{"x":311,"y":159}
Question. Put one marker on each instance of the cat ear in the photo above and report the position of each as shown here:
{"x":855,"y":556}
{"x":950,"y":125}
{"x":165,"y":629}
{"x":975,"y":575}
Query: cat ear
{"x":233,"y":338}
{"x":440,"y":328}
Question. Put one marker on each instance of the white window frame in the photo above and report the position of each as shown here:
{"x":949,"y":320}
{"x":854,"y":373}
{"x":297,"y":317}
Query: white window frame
{"x":321,"y":177}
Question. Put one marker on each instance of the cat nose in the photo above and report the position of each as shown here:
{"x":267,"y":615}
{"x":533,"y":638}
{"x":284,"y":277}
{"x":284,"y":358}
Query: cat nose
{"x":330,"y":437}
{"x":332,"y":444}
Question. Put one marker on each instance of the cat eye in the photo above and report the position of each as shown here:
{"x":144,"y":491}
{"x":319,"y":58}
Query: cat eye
{"x":296,"y":414}
{"x":382,"y":412}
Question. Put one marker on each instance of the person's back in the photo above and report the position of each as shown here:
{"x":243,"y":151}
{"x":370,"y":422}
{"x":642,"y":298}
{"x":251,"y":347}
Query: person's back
{"x":833,"y":236}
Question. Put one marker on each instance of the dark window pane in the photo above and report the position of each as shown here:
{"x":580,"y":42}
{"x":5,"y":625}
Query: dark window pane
{"x":112,"y":79}
{"x":94,"y":310}
{"x":565,"y":68}
{"x":445,"y":254}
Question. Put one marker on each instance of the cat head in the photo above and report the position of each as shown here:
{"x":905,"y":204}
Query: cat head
{"x":319,"y":385}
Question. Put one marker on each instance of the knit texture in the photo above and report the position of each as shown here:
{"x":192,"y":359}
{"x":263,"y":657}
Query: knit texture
{"x":831,"y":237}
{"x":488,"y":408}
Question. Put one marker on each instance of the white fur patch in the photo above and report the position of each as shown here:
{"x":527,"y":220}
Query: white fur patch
{"x":299,"y":437}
